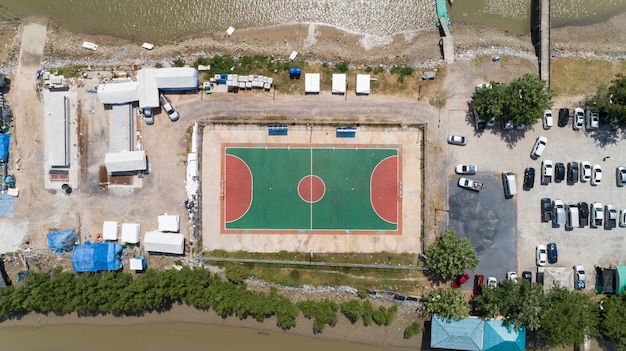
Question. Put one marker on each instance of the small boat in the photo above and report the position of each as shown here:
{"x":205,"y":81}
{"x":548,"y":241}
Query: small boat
{"x":90,"y":46}
{"x":451,"y":2}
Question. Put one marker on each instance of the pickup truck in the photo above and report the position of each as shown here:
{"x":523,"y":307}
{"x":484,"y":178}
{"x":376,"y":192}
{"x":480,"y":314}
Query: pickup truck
{"x":470,"y":184}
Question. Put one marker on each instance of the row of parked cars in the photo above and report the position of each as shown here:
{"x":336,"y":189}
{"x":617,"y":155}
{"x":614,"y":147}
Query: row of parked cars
{"x":578,"y":215}
{"x":580,"y":118}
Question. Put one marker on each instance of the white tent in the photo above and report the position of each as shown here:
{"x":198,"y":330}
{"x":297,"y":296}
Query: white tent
{"x":131,"y":232}
{"x":164,"y":242}
{"x":127,"y":161}
{"x":176,"y":78}
{"x":137,"y":263}
{"x":110,"y":230}
{"x":311,"y":83}
{"x":362,"y":84}
{"x":118,"y":93}
{"x":147,"y":88}
{"x":169,"y":223}
{"x":339,"y":83}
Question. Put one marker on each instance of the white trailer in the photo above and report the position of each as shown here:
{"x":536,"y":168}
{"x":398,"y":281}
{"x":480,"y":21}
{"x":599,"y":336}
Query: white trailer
{"x":160,"y":242}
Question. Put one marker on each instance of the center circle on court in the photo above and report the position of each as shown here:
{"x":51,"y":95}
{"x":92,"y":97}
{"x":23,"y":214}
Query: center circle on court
{"x":311,"y":188}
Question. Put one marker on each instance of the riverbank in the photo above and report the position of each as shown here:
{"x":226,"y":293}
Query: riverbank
{"x":389,"y":338}
{"x":318,"y":43}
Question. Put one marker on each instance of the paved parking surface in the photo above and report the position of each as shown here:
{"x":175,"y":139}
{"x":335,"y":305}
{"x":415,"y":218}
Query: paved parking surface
{"x":488,"y":220}
{"x":495,"y":150}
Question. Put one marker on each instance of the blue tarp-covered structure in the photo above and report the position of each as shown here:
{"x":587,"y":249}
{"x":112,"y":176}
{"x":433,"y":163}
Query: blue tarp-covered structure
{"x":97,"y":257}
{"x":62,"y":240}
{"x":500,"y":338}
{"x":5,"y":141}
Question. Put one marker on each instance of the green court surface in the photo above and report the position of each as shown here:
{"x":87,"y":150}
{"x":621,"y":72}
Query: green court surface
{"x":311,"y":189}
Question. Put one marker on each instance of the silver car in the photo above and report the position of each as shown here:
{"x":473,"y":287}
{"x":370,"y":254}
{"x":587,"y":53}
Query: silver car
{"x":457,"y":140}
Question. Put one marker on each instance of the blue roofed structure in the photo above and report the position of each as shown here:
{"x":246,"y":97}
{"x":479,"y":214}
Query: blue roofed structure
{"x":498,"y":337}
{"x":474,"y":334}
{"x":5,"y":141}
{"x":462,"y":334}
{"x":97,"y":257}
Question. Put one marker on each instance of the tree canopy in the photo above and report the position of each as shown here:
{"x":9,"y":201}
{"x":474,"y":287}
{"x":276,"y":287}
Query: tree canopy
{"x":521,"y":304}
{"x":569,"y":316}
{"x":522,"y":101}
{"x":448,"y":303}
{"x":612,"y":320}
{"x":610,"y":100}
{"x":450,"y":255}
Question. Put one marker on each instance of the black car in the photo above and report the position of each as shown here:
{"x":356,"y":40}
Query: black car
{"x":559,"y":172}
{"x":528,"y":276}
{"x":583,"y":211}
{"x":563,"y":117}
{"x":572,"y":172}
{"x":546,"y":209}
{"x":529,"y":178}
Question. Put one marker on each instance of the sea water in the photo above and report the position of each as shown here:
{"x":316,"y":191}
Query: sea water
{"x":156,"y":20}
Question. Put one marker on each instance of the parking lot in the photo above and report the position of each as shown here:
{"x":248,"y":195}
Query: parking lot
{"x":495,"y":150}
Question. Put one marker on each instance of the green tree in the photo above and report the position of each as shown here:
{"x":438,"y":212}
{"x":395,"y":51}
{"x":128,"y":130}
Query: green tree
{"x":521,"y":304}
{"x":450,"y":255}
{"x":353,"y":310}
{"x":617,"y":98}
{"x":568,"y":318}
{"x":413,"y":329}
{"x":522,"y":101}
{"x":612,"y":320}
{"x":448,"y":303}
{"x":527,"y":98}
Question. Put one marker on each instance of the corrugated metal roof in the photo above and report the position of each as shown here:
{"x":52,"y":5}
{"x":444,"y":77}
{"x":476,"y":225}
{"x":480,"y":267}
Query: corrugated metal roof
{"x":118,"y":93}
{"x":500,"y":338}
{"x":463,"y":334}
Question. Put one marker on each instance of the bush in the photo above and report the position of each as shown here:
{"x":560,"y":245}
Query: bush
{"x":179,"y":63}
{"x":322,"y":312}
{"x":369,"y":69}
{"x":413,"y":329}
{"x":353,"y":310}
{"x":342,"y":67}
{"x":236,"y":273}
{"x":158,"y":65}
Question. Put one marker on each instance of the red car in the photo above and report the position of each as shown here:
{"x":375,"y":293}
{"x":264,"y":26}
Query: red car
{"x":460,"y":280}
{"x":479,"y":280}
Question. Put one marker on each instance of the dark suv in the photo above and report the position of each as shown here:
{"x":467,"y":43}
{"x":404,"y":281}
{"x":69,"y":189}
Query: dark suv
{"x":563,"y":117}
{"x":529,"y":178}
{"x":559,"y":172}
{"x":583,"y":212}
{"x":572,"y":172}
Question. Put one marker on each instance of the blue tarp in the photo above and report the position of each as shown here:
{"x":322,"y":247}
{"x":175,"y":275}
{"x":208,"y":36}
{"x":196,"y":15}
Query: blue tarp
{"x":5,"y":141}
{"x":62,"y":240}
{"x":97,"y":257}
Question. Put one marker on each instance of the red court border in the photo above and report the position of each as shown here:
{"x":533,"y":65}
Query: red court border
{"x":223,"y":229}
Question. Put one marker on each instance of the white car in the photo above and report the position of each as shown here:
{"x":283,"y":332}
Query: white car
{"x":592,"y":120}
{"x":167,"y":106}
{"x":492,"y":282}
{"x":580,"y":273}
{"x":511,"y":276}
{"x":457,"y":140}
{"x":547,"y":170}
{"x":596,"y":174}
{"x":585,"y":171}
{"x":579,"y":118}
{"x":548,"y":121}
{"x":466,"y":169}
{"x":542,"y":255}
{"x":540,"y":145}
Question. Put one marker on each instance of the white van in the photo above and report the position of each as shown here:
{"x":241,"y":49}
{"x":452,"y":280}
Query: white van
{"x":508,"y":181}
{"x":558,"y":215}
{"x":572,"y":220}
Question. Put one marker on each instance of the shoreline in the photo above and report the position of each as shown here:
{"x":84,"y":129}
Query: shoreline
{"x":319,"y":43}
{"x":342,"y":332}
